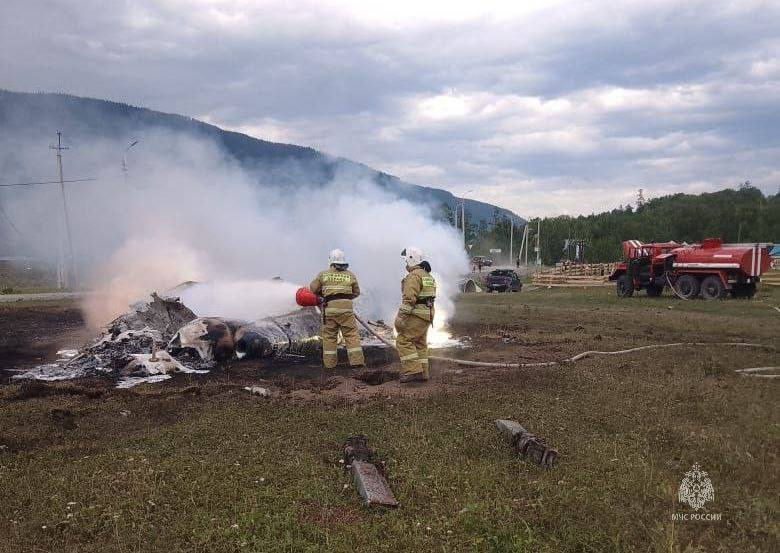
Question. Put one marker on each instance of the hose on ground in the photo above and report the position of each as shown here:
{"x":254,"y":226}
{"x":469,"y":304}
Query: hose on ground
{"x":573,"y":359}
{"x":756,"y":372}
{"x":676,"y":293}
{"x":374,"y":332}
{"x":585,"y":354}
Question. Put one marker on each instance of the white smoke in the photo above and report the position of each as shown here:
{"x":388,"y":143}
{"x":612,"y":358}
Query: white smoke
{"x":188,"y":212}
{"x":240,"y":299}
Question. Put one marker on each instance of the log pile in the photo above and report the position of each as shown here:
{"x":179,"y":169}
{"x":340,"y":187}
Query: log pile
{"x":772,"y":277}
{"x":574,"y":275}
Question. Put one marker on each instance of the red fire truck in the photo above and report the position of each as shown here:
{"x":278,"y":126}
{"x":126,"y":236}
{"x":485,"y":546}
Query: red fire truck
{"x":710,"y":269}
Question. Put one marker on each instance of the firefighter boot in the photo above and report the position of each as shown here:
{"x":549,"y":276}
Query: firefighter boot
{"x":406,"y":378}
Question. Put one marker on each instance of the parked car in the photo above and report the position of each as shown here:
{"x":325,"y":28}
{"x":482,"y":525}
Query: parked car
{"x":503,"y":280}
{"x":486,"y":261}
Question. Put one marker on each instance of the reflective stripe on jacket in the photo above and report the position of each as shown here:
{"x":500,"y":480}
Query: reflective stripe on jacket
{"x":417,"y":285}
{"x":331,"y":282}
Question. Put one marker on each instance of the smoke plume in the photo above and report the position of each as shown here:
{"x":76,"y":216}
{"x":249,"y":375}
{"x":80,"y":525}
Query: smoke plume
{"x":188,"y":212}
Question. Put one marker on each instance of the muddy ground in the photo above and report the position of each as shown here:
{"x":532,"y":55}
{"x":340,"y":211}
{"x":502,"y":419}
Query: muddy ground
{"x":32,"y":332}
{"x":198,"y":464}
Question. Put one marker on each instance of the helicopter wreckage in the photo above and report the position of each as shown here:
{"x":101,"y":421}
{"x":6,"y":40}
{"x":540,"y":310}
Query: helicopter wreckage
{"x":162,"y":336}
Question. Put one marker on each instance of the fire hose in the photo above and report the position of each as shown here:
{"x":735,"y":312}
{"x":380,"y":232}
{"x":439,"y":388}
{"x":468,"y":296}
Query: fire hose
{"x":573,"y":359}
{"x":676,"y":293}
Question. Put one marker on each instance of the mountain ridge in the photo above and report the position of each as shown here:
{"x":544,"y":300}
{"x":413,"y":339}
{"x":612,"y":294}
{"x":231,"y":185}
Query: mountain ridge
{"x":81,"y":116}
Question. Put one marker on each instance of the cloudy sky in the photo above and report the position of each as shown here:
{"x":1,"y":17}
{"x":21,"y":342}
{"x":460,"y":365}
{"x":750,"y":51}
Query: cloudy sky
{"x":544,"y":107}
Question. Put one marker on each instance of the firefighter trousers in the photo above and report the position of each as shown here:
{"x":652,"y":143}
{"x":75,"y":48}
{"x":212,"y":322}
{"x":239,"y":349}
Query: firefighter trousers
{"x":412,"y":344}
{"x":331,"y":325}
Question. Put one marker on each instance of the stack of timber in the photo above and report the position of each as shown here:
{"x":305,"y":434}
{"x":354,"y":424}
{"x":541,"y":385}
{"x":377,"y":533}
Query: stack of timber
{"x":574,"y":275}
{"x":772,"y":276}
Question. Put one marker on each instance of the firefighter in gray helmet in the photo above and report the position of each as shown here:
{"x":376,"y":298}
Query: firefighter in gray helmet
{"x":415,"y":316}
{"x":338,"y":287}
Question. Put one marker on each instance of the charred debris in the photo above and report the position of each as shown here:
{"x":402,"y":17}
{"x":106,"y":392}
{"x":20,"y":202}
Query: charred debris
{"x":162,"y":336}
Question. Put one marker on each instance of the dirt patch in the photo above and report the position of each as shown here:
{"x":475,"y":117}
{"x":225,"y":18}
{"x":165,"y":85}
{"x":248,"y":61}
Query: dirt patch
{"x":376,"y":377}
{"x":30,"y":335}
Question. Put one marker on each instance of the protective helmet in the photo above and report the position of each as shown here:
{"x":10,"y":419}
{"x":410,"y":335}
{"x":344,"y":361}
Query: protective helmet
{"x":413,"y":256}
{"x":336,"y":257}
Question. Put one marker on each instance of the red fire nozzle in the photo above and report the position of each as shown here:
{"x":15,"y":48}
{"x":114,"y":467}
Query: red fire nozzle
{"x":306,"y":298}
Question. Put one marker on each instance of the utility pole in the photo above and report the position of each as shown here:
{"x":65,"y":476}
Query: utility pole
{"x":538,"y":241}
{"x":69,"y":266}
{"x":524,"y":244}
{"x":463,"y":219}
{"x":124,"y":160}
{"x":525,"y":241}
{"x":463,"y":216}
{"x":511,"y":241}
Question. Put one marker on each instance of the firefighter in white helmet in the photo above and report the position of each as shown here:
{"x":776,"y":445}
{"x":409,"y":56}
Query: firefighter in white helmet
{"x":338,"y":287}
{"x":418,"y":291}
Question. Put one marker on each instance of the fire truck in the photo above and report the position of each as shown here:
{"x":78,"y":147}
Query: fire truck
{"x":710,"y":269}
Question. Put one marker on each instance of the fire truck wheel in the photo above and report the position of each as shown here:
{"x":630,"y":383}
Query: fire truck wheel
{"x":687,"y":286}
{"x":712,"y":288}
{"x":625,"y":287}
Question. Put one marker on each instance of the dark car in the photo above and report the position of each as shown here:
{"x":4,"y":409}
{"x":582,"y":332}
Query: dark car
{"x":503,"y":280}
{"x":485,"y":261}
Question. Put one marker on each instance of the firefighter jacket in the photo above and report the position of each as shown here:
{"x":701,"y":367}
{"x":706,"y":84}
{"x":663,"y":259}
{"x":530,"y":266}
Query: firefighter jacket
{"x":418,"y":291}
{"x":338,"y":288}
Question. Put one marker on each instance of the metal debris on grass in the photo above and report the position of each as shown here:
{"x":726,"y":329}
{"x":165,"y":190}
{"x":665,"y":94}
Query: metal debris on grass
{"x":369,"y":480}
{"x":526,"y":444}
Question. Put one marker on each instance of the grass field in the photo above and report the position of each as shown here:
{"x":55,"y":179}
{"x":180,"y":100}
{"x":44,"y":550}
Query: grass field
{"x":159,"y":468}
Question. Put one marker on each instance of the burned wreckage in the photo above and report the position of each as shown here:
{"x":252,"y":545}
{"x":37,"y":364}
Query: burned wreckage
{"x":162,"y":336}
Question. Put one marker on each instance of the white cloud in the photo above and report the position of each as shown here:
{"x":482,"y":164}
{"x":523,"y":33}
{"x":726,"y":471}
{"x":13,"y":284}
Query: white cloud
{"x":532,"y":104}
{"x":444,"y":107}
{"x":766,"y":69}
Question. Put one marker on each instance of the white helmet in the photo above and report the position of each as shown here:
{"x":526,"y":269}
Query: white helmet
{"x":336,"y":257}
{"x":413,"y":256}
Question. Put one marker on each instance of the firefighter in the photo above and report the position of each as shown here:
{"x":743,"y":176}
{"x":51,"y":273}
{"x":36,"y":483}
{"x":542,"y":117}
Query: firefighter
{"x":418,"y":291}
{"x":338,"y":287}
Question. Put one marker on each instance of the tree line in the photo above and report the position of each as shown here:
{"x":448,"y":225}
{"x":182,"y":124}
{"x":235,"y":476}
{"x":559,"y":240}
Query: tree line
{"x":741,"y":215}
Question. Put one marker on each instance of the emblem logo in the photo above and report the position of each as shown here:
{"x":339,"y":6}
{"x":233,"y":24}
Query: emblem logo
{"x":696,"y":488}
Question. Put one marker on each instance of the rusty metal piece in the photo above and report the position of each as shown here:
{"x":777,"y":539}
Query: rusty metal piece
{"x":526,"y":444}
{"x":369,"y":480}
{"x":372,"y":486}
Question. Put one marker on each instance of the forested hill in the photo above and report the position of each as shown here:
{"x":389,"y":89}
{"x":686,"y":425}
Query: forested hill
{"x":36,"y":116}
{"x":743,"y":215}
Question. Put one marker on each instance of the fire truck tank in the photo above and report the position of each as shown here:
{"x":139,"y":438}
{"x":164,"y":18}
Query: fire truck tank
{"x":711,"y":254}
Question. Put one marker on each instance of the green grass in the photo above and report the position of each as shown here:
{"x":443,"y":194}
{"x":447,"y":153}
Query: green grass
{"x":17,"y":280}
{"x":227,"y":472}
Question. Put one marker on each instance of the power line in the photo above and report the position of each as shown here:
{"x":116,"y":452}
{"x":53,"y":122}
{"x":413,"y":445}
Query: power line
{"x":45,"y":182}
{"x":8,"y":220}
